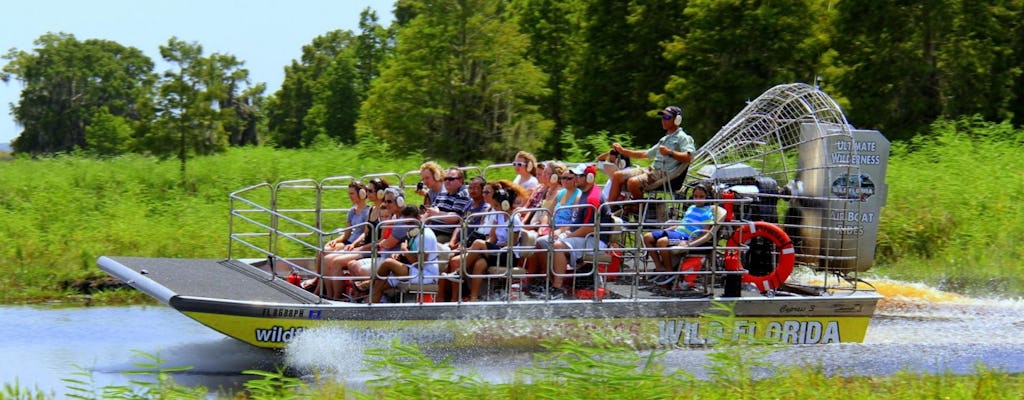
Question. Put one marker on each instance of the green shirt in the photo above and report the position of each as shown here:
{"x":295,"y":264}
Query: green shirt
{"x":676,"y":141}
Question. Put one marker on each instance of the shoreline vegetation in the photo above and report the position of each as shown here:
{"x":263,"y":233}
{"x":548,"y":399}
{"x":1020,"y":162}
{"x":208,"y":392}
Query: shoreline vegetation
{"x":952,"y":220}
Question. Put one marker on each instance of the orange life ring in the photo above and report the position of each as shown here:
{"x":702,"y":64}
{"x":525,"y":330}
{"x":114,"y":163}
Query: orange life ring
{"x":787,"y":254}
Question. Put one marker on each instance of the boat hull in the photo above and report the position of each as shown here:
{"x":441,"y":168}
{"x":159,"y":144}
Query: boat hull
{"x":254,"y":306}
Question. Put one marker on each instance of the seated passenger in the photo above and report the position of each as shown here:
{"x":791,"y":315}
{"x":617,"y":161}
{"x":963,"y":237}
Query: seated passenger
{"x":579,"y":238}
{"x":476,"y":229}
{"x":611,"y":162}
{"x":335,"y":260}
{"x":430,"y":182}
{"x":409,"y":265}
{"x":524,"y":165}
{"x":450,"y":205}
{"x":671,"y":157}
{"x":496,"y":244}
{"x":695,"y":221}
{"x":560,"y":209}
{"x":390,"y":240}
{"x":544,"y":198}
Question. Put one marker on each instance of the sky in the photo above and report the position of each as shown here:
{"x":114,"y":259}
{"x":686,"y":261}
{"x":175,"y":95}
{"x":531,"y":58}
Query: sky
{"x":267,"y":35}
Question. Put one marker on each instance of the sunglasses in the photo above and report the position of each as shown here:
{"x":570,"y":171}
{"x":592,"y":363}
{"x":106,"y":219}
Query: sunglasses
{"x":488,"y":192}
{"x":568,"y":177}
{"x":518,"y":164}
{"x":388,"y":201}
{"x":449,"y":179}
{"x":667,"y":117}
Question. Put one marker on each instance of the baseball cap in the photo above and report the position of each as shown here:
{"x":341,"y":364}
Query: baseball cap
{"x":583,"y":169}
{"x":671,"y":110}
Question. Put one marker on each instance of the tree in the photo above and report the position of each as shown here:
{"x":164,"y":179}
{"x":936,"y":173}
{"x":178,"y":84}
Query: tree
{"x":977,"y":63}
{"x":458,"y":86}
{"x":732,"y":51}
{"x":554,"y":28}
{"x":199,"y":107}
{"x":320,"y":95}
{"x":66,"y":82}
{"x":888,"y":63}
{"x":108,"y":134}
{"x":623,"y":65}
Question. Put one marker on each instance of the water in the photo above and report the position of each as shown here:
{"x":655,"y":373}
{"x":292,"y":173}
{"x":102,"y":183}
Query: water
{"x":41,"y":346}
{"x":916,"y":328}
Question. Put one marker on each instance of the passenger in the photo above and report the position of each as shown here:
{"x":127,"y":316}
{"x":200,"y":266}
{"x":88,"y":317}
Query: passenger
{"x":446,"y":290}
{"x":579,"y":238}
{"x":611,"y":162}
{"x":499,"y":240}
{"x":671,"y":155}
{"x":524,"y":165}
{"x":551,"y":185}
{"x":475,"y":225}
{"x":408,"y":265}
{"x":450,"y":206}
{"x":335,"y":261}
{"x":391,"y":237}
{"x":431,"y":174}
{"x":695,"y":221}
{"x":567,"y":196}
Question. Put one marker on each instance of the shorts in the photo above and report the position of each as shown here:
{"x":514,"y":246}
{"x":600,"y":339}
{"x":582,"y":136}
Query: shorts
{"x":498,"y":259}
{"x":649,"y":178}
{"x":416,"y":279}
{"x":674,"y":236}
{"x":578,"y":245}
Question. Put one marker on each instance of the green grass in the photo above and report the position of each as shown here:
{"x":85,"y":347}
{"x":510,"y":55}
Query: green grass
{"x":953,"y":217}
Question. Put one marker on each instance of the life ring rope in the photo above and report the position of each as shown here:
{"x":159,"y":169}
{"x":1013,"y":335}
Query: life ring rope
{"x":787,"y":254}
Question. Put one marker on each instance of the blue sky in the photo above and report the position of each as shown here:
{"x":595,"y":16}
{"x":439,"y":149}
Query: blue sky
{"x":265,"y":34}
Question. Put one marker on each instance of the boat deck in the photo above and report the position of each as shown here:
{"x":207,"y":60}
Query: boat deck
{"x":233,"y":280}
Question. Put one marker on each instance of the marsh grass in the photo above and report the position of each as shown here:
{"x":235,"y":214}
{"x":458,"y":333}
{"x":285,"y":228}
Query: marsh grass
{"x":953,"y":218}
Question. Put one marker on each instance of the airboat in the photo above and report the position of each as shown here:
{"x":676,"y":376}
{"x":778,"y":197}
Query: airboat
{"x":795,"y":224}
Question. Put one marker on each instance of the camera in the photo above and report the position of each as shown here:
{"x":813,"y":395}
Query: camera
{"x":419,"y":185}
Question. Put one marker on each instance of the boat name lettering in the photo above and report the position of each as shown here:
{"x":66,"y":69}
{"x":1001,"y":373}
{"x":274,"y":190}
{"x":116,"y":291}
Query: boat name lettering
{"x":786,"y":309}
{"x":846,"y":308}
{"x":843,"y":156}
{"x":855,"y":159}
{"x":283,"y":312}
{"x":277,"y":334}
{"x":852,"y":216}
{"x":846,"y":145}
{"x":690,"y":332}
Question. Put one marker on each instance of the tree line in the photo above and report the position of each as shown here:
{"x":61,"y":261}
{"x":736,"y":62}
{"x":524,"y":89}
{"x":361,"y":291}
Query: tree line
{"x":465,"y":80}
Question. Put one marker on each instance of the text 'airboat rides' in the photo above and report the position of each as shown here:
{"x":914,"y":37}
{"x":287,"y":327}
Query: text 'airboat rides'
{"x":795,"y":197}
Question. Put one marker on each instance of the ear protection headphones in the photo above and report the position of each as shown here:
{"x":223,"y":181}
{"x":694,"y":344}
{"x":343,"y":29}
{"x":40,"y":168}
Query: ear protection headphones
{"x":503,"y":198}
{"x":679,"y":114}
{"x":590,"y":175}
{"x":362,"y":192}
{"x":706,"y":188}
{"x":399,"y":196}
{"x":554,"y":179}
{"x":437,"y":175}
{"x":379,"y":185}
